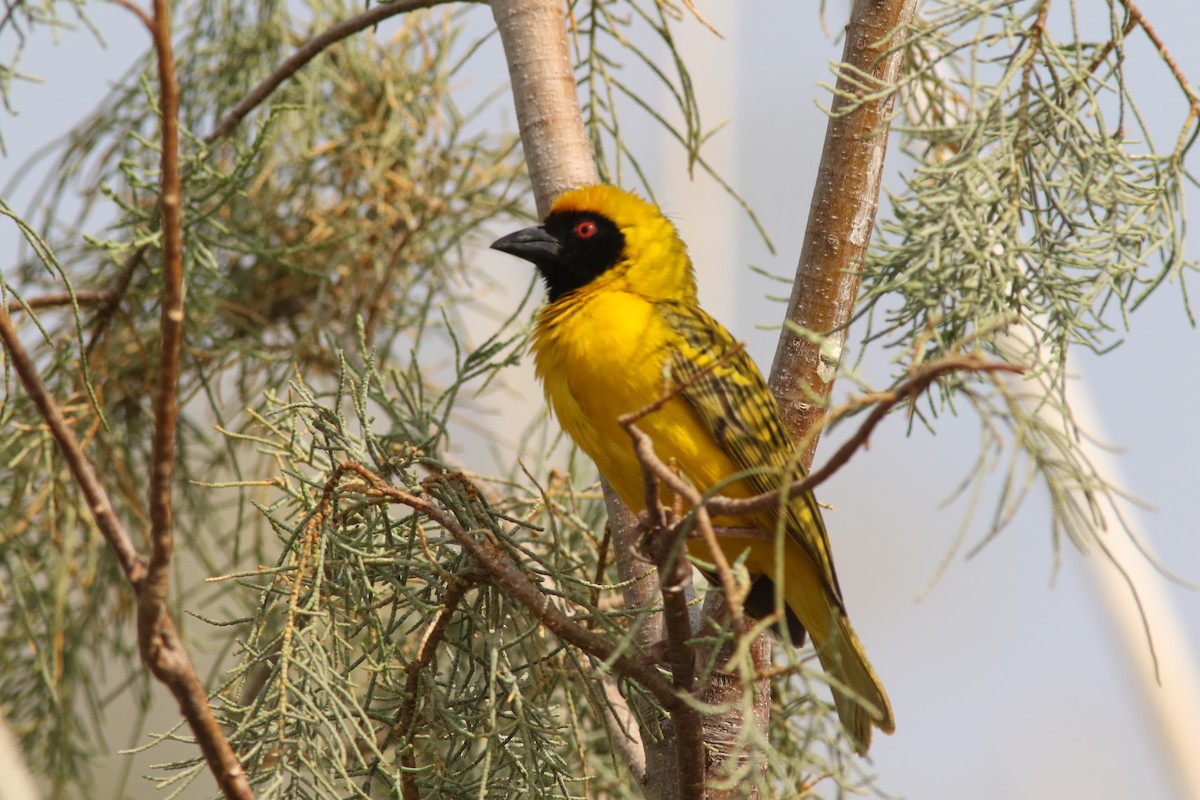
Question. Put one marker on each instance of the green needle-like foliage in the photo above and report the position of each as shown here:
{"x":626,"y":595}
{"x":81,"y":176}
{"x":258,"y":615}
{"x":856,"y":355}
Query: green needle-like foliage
{"x":1036,"y":214}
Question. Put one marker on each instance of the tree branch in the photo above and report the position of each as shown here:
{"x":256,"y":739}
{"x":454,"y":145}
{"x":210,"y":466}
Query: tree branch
{"x":153,"y":590}
{"x":1137,"y":17}
{"x":508,"y":576}
{"x":840,"y":218}
{"x":182,"y":680}
{"x":534,"y":35}
{"x":55,"y":299}
{"x":656,"y":470}
{"x":307,"y":52}
{"x":158,"y":640}
{"x":883,"y":402}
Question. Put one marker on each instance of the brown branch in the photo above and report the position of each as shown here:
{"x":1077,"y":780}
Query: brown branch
{"x":182,"y":679}
{"x":726,"y":690}
{"x":841,"y":216}
{"x":55,"y":299}
{"x":667,"y":548}
{"x":883,"y":402}
{"x":652,"y":465}
{"x":132,"y":564}
{"x":109,"y":310}
{"x":306,"y":53}
{"x":695,"y":733}
{"x":1136,"y":16}
{"x":507,"y":575}
{"x":137,"y":12}
{"x":158,"y":640}
{"x":405,"y":727}
{"x":153,"y":590}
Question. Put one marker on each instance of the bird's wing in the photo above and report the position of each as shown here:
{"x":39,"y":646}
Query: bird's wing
{"x":725,"y":388}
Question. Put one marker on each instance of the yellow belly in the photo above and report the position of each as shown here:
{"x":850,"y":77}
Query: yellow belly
{"x":606,"y":357}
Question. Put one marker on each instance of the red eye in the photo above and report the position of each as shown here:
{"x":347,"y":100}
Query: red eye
{"x":586,"y":229}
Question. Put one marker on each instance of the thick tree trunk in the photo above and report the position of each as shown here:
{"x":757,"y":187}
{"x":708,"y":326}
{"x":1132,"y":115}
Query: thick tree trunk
{"x":840,"y":219}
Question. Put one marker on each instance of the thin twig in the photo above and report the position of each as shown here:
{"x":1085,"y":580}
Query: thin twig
{"x":405,"y":727}
{"x":883,"y":402}
{"x":55,"y":299}
{"x":306,"y":53}
{"x":137,"y":12}
{"x":508,"y":576}
{"x":1135,"y":15}
{"x":105,"y":314}
{"x":132,"y":564}
{"x":655,"y":470}
{"x":153,"y":591}
{"x":166,"y":406}
{"x":643,"y":448}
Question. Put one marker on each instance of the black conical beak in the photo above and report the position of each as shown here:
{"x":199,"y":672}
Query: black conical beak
{"x":532,"y":244}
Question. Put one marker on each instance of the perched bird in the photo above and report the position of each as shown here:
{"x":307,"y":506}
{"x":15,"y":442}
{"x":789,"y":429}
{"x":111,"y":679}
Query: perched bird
{"x":622,"y":327}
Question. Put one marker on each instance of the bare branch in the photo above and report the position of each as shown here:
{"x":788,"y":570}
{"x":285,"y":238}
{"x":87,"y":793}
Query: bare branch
{"x":1138,"y":18}
{"x":55,"y":299}
{"x":179,"y":675}
{"x":883,"y":402}
{"x":166,"y":406}
{"x":132,"y":8}
{"x":845,"y":199}
{"x":108,"y":310}
{"x":158,"y":640}
{"x":534,"y":34}
{"x":652,"y":465}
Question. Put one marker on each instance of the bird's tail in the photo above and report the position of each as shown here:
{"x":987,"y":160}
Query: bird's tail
{"x":860,"y":698}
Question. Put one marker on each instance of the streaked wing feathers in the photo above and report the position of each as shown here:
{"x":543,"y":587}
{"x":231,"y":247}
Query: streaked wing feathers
{"x":725,"y":388}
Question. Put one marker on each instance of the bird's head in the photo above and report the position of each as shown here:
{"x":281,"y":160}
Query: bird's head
{"x":604,"y":237}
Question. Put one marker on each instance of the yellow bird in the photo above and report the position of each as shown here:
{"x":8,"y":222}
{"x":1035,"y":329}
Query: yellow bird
{"x":622,"y":327}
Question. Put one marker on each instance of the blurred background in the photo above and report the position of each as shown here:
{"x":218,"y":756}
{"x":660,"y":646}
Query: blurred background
{"x":1008,"y":674}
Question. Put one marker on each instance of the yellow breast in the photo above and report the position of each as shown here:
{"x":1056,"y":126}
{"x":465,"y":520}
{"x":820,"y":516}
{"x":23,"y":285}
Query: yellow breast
{"x":602,"y":355}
